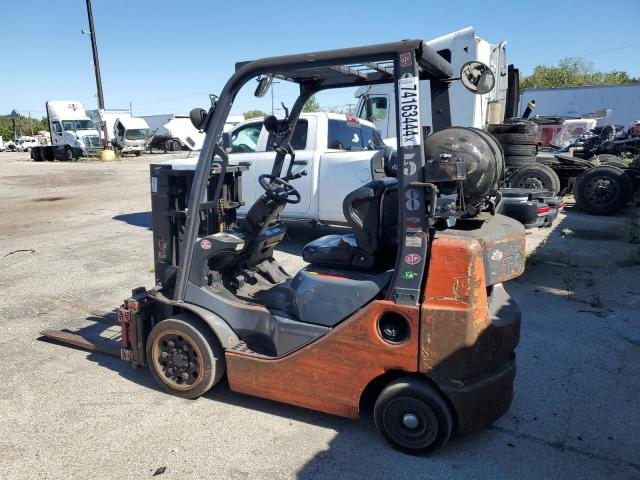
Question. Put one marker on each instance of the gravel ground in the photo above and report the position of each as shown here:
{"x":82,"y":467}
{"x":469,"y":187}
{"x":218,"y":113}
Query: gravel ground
{"x":76,"y":237}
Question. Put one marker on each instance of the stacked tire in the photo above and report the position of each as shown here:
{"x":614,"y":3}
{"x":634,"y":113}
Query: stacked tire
{"x":519,"y":140}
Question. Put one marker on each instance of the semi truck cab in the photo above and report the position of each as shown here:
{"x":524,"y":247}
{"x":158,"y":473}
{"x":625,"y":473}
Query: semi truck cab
{"x":130,"y":135}
{"x":71,"y":128}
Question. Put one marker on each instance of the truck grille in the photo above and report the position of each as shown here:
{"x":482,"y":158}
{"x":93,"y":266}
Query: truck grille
{"x":92,"y":142}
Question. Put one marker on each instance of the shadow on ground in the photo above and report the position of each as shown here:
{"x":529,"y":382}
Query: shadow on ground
{"x":138,"y":219}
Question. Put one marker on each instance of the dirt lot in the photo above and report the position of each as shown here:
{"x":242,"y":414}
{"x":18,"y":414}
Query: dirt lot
{"x":76,"y":237}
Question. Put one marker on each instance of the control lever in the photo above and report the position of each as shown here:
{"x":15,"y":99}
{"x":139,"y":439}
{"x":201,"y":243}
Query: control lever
{"x":295,"y":176}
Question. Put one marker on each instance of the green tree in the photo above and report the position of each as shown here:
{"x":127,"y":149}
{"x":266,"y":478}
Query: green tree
{"x":311,"y":105}
{"x":24,"y":126}
{"x":573,"y":72}
{"x":254,"y":114}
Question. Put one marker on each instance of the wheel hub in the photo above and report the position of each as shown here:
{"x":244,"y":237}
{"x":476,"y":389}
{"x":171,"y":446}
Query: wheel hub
{"x":601,"y":191}
{"x":410,"y":420}
{"x":178,"y":360}
{"x":531,"y":182}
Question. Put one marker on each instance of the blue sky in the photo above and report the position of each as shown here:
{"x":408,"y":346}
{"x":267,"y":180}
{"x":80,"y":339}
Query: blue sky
{"x":166,"y":56}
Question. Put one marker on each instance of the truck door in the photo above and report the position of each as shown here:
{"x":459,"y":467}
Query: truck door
{"x":56,"y":131}
{"x":375,"y":108}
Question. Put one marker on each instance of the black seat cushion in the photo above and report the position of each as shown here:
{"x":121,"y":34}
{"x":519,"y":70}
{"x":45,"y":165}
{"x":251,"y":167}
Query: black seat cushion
{"x":337,"y":251}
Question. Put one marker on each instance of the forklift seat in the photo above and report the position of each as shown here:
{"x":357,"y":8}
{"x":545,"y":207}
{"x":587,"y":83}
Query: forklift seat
{"x":372,"y":212}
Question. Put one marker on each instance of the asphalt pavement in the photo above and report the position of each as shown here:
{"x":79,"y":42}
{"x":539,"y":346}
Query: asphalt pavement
{"x":76,"y":237}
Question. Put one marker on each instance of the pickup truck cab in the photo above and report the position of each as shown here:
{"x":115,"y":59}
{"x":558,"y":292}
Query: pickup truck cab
{"x":334,"y":149}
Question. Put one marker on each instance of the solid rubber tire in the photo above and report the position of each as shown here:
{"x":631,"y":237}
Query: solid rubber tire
{"x":213,"y":355}
{"x":420,"y":391}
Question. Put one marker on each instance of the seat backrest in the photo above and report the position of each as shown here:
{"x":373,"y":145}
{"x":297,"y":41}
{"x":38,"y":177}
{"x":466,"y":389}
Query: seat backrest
{"x":372,"y":212}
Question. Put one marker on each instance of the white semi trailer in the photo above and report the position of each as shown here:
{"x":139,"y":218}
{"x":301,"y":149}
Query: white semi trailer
{"x":73,"y":133}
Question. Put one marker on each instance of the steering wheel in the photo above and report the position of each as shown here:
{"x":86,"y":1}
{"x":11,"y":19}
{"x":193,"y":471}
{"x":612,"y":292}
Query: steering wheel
{"x":278,"y":189}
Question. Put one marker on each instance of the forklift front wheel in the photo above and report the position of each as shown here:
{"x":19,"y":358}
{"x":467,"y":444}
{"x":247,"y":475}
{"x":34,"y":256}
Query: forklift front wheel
{"x":184,"y":357}
{"x":413,"y":416}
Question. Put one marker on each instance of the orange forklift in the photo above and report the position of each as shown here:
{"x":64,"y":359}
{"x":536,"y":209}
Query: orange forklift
{"x":408,"y":310}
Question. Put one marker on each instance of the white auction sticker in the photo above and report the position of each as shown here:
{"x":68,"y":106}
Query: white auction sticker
{"x":409,"y":93}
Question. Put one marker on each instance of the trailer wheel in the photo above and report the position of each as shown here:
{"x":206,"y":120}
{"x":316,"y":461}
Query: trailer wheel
{"x":536,"y":176}
{"x":603,"y":190}
{"x":413,"y":416}
{"x":184,"y":357}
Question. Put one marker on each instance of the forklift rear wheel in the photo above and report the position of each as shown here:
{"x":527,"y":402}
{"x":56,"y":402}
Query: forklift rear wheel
{"x":184,"y":357}
{"x":413,"y":416}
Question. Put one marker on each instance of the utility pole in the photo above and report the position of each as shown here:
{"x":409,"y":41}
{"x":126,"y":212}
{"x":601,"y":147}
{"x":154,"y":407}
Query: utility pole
{"x":96,"y":66}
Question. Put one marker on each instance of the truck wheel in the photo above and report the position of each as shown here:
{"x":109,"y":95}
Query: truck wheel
{"x":138,"y":153}
{"x":413,"y":416}
{"x":535,"y":176}
{"x":37,"y":154}
{"x":68,"y":154}
{"x":603,"y":190}
{"x":184,"y":357}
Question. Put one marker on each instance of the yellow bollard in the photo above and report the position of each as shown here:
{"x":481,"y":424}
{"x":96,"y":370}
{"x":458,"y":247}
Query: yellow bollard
{"x":107,"y":155}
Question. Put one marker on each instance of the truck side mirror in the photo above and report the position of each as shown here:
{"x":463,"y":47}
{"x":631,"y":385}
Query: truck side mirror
{"x":477,"y":77}
{"x":198,"y":117}
{"x":226,"y":141}
{"x":263,"y":86}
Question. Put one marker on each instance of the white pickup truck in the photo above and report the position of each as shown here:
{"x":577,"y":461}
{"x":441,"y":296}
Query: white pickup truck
{"x":335,"y":150}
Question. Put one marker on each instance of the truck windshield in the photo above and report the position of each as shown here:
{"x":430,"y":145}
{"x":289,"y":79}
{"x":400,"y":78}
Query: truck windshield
{"x":73,"y":125}
{"x":347,"y":135}
{"x":137,"y":134}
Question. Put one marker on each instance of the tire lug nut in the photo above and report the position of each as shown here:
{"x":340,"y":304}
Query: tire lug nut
{"x":185,"y":375}
{"x":164,"y":354}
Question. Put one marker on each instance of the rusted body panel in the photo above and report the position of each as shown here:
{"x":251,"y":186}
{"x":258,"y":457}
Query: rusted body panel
{"x":502,"y":241}
{"x":331,"y":373}
{"x":467,"y":331}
